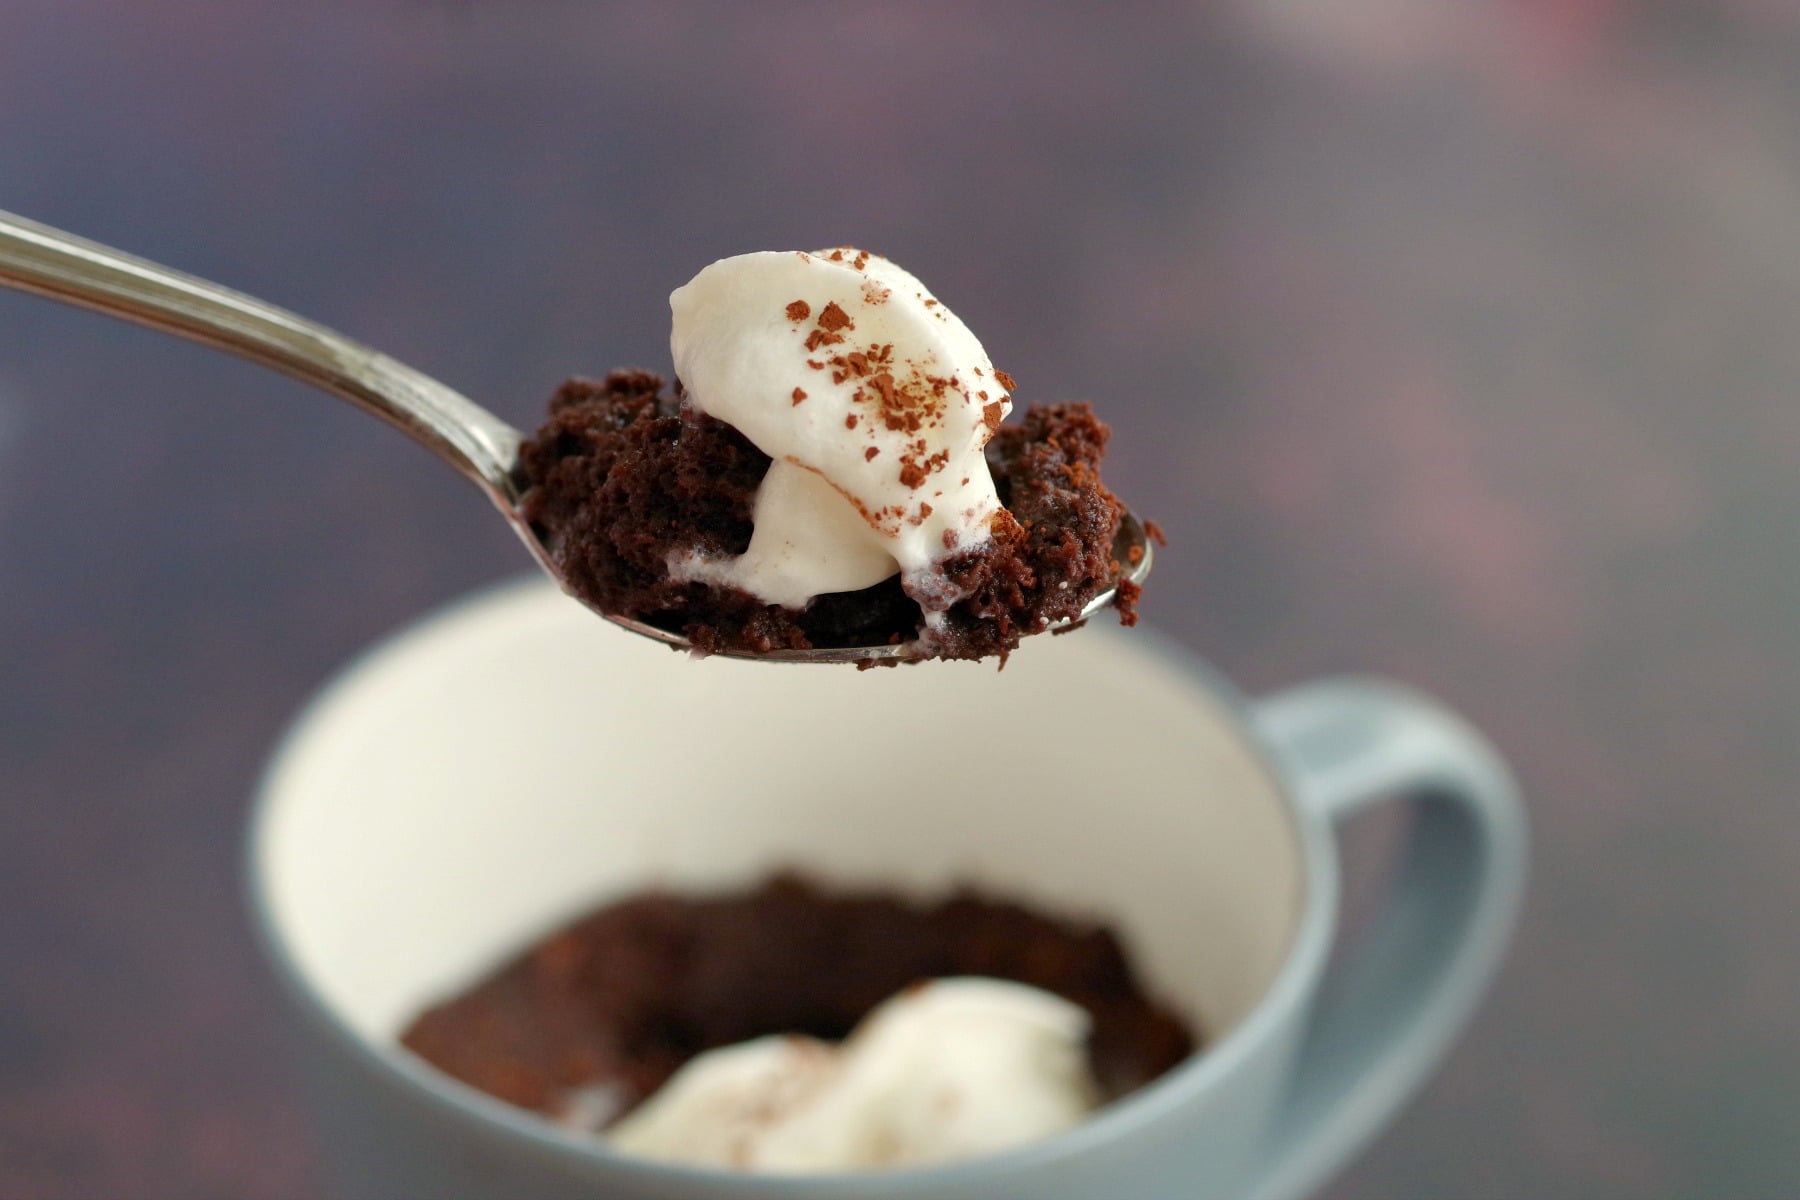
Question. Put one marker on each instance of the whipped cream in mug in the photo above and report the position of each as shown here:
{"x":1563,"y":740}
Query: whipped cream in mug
{"x":874,"y":401}
{"x":950,"y":1069}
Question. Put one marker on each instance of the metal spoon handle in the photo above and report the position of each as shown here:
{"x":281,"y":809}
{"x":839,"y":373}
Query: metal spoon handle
{"x":49,"y":262}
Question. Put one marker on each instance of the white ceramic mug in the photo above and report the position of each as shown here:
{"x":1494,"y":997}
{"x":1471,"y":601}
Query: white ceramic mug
{"x":510,"y":763}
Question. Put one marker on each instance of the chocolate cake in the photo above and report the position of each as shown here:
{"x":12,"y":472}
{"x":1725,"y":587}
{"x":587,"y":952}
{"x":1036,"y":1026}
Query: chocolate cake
{"x":621,"y":999}
{"x":622,"y":475}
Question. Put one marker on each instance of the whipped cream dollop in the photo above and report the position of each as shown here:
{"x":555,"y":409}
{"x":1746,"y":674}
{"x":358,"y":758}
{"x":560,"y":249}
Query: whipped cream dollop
{"x":873,"y":400}
{"x":946,"y":1070}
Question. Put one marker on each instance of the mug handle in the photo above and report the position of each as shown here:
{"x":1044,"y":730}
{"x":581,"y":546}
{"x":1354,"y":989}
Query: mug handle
{"x":1386,"y":1012}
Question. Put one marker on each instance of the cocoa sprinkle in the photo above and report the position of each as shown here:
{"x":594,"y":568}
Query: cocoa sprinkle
{"x":799,"y":395}
{"x":834,"y":318}
{"x":799,"y":310}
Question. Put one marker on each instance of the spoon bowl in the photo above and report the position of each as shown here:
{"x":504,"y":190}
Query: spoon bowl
{"x":484,"y":449}
{"x":1132,"y":553}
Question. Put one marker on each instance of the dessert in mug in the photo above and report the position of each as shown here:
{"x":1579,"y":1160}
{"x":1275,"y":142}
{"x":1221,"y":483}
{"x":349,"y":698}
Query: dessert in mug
{"x":706,"y":1029}
{"x":830,"y":469}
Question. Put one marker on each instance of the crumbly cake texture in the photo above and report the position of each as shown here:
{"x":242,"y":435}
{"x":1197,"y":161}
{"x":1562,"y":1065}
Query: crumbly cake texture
{"x":620,"y":1000}
{"x":622,"y":475}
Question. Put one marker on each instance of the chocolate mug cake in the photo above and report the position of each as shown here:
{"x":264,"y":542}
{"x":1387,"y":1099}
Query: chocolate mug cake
{"x":830,"y":469}
{"x":596,"y":1019}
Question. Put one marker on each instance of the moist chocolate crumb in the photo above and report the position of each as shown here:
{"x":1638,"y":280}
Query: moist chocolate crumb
{"x":622,"y":998}
{"x":622,"y":476}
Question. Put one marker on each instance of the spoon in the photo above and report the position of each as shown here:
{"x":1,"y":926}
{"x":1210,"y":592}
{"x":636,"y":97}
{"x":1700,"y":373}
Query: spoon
{"x":485,"y":449}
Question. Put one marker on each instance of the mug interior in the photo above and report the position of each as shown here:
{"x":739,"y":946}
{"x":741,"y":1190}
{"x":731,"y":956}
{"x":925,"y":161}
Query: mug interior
{"x":505,"y":766}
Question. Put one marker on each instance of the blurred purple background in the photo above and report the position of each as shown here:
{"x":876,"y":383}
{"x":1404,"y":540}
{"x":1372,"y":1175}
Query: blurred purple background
{"x":1459,"y":342}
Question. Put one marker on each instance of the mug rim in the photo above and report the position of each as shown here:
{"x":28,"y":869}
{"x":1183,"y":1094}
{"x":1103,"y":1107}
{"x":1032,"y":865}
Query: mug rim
{"x":1154,"y":1103}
